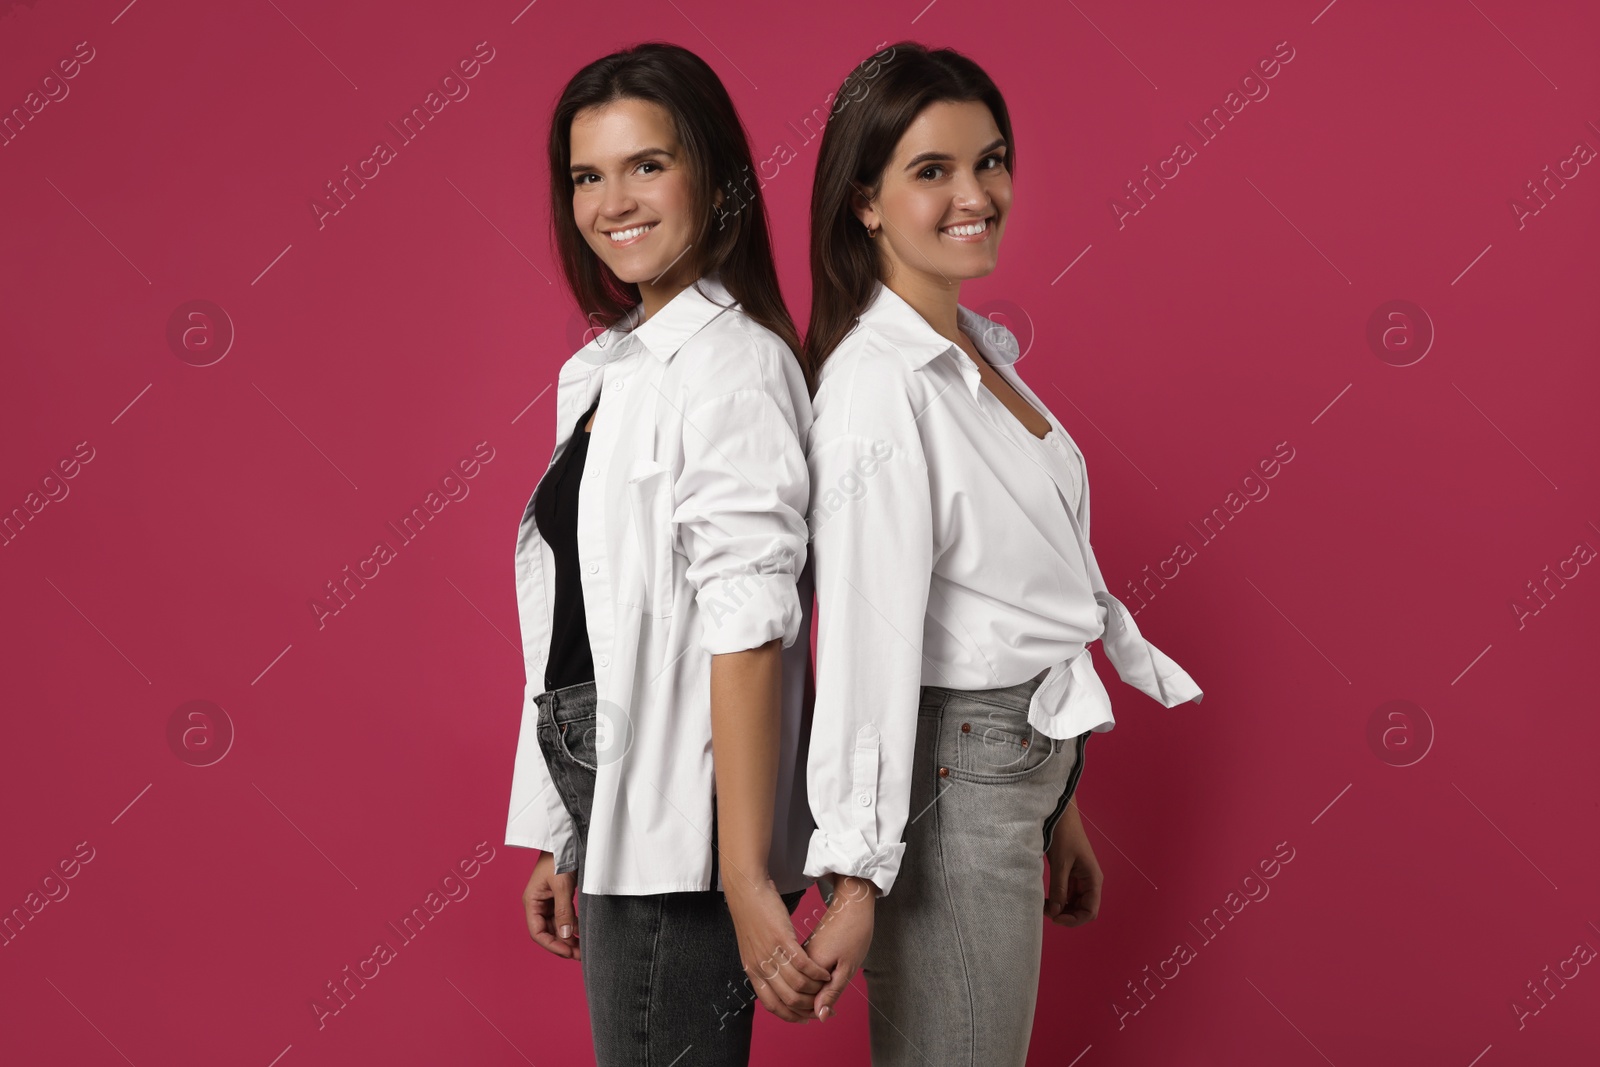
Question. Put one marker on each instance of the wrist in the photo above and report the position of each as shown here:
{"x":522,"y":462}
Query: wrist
{"x":745,"y":881}
{"x":855,"y":889}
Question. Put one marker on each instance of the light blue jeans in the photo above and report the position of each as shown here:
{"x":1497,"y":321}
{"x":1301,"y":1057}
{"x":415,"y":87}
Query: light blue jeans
{"x":953,"y":971}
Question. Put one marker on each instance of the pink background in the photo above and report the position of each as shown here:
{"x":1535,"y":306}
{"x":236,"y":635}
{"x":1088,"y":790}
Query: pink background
{"x":1441,"y":860}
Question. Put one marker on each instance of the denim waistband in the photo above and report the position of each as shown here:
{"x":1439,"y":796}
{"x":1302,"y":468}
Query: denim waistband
{"x":568,"y":703}
{"x":1015,"y":697}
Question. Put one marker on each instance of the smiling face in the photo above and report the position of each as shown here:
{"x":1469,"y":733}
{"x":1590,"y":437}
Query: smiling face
{"x":944,"y":196}
{"x":633,"y":193}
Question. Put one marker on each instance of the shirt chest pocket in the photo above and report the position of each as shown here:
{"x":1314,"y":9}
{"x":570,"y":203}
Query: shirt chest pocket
{"x":650,"y":505}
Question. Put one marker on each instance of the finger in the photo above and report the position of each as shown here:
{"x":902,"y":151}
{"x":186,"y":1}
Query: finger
{"x":801,"y":961}
{"x":773,"y":1003}
{"x":800,"y":982}
{"x":791,"y":998}
{"x":769,"y":978}
{"x":566,"y":919}
{"x":539,"y":930}
{"x":829,"y":997}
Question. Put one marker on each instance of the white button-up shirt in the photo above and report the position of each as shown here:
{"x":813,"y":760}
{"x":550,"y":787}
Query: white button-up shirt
{"x":691,"y":542}
{"x":951,"y":548}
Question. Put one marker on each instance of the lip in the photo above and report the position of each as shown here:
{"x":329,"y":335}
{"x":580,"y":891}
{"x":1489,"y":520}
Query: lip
{"x":976,"y":238}
{"x":632,"y":240}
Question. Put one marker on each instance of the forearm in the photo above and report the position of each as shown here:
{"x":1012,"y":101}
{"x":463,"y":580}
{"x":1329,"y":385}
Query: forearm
{"x":746,"y":716}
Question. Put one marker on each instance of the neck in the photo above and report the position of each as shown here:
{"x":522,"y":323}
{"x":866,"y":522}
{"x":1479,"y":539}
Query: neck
{"x":653,"y":296}
{"x":933,"y":298}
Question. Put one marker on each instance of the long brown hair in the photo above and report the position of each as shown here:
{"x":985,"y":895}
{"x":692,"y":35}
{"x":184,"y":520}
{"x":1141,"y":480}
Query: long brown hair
{"x":881,"y":98}
{"x":731,"y":240}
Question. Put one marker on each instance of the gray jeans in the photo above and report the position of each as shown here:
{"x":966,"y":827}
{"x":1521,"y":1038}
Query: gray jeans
{"x":953,"y":971}
{"x":662,"y":973}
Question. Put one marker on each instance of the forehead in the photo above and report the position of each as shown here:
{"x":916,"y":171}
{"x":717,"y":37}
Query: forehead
{"x":622,"y":127}
{"x":959,"y":128}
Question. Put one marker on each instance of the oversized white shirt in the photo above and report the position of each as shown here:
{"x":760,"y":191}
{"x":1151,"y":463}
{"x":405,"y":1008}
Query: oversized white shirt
{"x":691,"y":542}
{"x":951,"y":548}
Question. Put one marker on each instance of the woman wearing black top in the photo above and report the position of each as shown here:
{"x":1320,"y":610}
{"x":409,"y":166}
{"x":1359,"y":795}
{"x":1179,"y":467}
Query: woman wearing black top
{"x":555,"y":509}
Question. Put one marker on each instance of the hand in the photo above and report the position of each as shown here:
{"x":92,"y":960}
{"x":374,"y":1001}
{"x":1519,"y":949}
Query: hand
{"x":1075,"y":877}
{"x":784,"y":976}
{"x":552,"y":922}
{"x":842,"y":937}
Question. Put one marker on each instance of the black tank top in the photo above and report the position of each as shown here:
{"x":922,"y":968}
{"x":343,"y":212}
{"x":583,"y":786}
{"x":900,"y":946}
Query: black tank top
{"x":556,"y":512}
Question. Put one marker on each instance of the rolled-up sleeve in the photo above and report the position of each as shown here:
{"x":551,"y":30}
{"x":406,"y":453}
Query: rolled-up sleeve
{"x":537,"y":818}
{"x":872,"y":549}
{"x":740,"y":513}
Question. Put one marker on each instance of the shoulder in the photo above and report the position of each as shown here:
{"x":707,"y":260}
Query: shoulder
{"x":735,"y":357}
{"x":867,"y":389}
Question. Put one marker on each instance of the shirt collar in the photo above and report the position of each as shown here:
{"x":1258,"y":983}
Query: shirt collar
{"x":897,"y":322}
{"x":666,"y":331}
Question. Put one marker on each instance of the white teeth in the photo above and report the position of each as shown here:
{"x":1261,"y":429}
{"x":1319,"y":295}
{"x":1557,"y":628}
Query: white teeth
{"x":971,"y":229}
{"x":628,"y":235}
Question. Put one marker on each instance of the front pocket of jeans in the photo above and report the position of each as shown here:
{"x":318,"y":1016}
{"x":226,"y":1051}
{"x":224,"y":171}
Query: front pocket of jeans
{"x":578,"y":741}
{"x":997,"y":751}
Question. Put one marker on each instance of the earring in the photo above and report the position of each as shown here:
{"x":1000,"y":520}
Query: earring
{"x":870,"y":231}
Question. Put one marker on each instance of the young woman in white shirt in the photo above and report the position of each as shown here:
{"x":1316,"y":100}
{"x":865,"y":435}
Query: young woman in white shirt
{"x":662,"y":584}
{"x":956,"y":587}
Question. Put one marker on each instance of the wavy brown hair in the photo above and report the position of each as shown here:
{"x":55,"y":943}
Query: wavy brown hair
{"x":881,"y":98}
{"x":731,"y":240}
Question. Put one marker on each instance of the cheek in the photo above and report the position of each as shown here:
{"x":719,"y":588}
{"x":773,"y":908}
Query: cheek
{"x":583,"y":210}
{"x":921,"y":213}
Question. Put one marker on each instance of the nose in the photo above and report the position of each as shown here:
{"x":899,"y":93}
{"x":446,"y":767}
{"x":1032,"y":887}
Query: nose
{"x":969,"y":194}
{"x":616,"y":201}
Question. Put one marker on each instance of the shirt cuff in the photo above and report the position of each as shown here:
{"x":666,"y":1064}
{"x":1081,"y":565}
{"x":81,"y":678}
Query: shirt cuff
{"x":1138,"y":662}
{"x":826,"y":857}
{"x":748,"y":610}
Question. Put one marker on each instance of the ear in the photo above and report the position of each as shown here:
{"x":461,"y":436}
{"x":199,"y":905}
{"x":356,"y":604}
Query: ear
{"x":862,"y":208}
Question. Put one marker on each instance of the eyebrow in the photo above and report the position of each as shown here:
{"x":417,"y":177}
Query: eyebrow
{"x":639,"y":156}
{"x":943,"y":157}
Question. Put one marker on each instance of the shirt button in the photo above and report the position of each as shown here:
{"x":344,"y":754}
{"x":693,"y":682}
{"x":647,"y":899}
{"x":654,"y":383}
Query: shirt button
{"x":593,"y":567}
{"x":865,"y":799}
{"x":618,"y":385}
{"x":604,"y":661}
